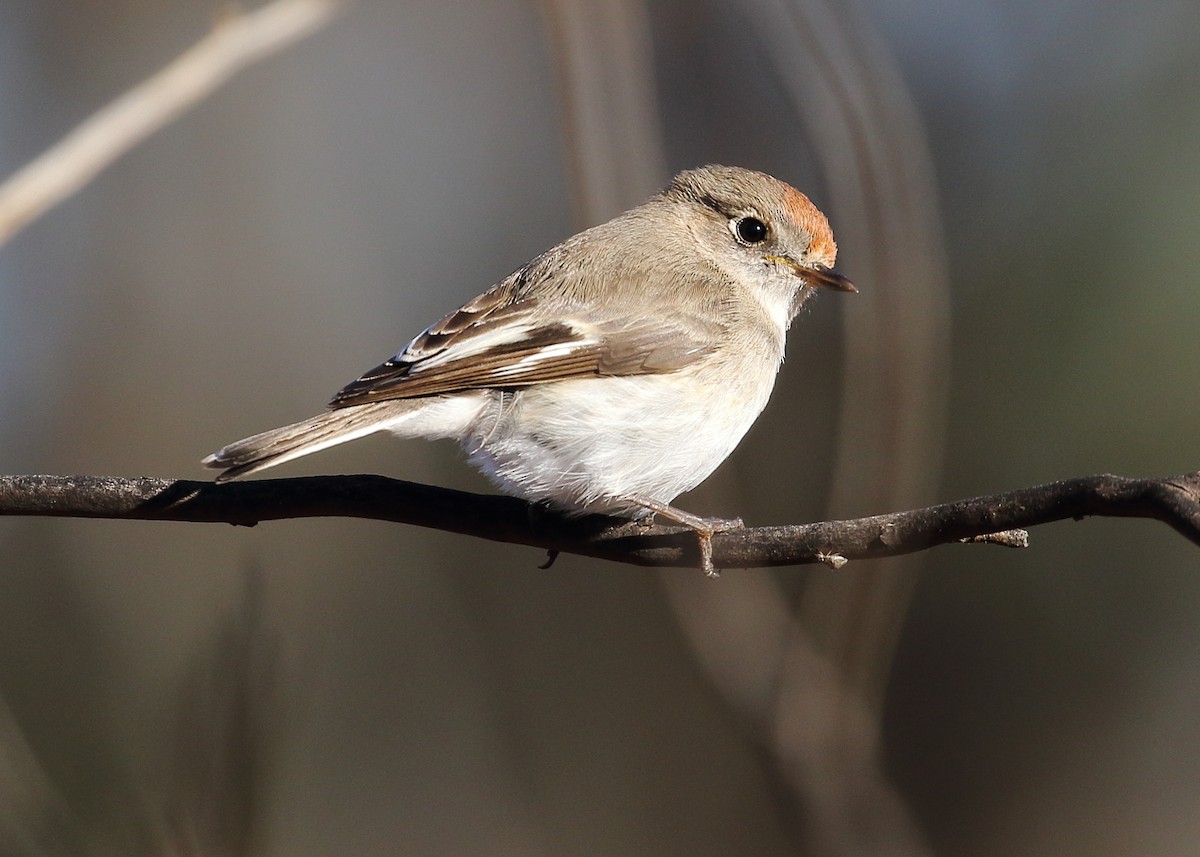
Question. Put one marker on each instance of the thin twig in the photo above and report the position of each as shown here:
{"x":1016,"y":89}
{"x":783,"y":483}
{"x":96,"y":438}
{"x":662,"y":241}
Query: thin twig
{"x":236,"y":41}
{"x":1175,"y":501}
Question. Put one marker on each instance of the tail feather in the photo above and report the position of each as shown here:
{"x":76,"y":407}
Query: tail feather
{"x":331,"y":428}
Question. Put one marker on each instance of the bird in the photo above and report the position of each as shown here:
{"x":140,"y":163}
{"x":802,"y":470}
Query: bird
{"x":611,"y":373}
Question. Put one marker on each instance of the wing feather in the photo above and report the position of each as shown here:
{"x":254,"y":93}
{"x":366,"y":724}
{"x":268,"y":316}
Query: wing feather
{"x":500,"y":342}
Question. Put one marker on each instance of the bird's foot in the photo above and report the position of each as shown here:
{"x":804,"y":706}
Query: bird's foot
{"x":705,"y":528}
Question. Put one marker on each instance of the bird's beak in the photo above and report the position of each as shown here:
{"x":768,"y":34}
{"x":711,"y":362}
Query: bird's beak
{"x":817,"y":275}
{"x":827,"y":278}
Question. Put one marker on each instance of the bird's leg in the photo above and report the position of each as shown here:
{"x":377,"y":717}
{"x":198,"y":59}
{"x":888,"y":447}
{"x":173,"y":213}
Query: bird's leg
{"x":535,"y":513}
{"x":705,"y":528}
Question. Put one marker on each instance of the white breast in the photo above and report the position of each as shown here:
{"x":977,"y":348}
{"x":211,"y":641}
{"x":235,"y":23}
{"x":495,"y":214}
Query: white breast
{"x":584,"y":445}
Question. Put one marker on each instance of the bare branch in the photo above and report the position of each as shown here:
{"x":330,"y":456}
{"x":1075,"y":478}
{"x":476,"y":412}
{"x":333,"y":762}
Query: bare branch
{"x":238,"y":40}
{"x":1174,"y":501}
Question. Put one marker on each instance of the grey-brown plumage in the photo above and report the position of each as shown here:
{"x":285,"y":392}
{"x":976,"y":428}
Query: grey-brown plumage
{"x":612,"y":372}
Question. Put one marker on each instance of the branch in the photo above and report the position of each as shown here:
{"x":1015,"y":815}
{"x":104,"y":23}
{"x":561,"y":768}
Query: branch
{"x":1174,"y":501}
{"x":237,"y":41}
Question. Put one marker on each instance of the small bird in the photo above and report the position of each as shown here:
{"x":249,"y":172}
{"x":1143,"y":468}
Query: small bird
{"x":611,"y":373}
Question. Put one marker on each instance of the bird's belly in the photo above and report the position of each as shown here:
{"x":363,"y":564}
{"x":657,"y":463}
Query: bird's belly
{"x":591,"y":444}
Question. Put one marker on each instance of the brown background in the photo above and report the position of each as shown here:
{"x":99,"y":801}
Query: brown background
{"x":422,"y":693}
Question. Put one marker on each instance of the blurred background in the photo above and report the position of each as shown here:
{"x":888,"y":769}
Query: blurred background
{"x":1015,"y":187}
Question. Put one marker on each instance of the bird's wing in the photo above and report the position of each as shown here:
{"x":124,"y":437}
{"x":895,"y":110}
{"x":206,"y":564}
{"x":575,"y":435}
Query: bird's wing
{"x":500,"y":340}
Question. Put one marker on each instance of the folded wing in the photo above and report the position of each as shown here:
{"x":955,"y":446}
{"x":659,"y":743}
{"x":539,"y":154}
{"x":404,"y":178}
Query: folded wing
{"x":500,"y":341}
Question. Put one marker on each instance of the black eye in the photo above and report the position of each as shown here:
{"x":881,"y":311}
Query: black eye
{"x":750,"y":230}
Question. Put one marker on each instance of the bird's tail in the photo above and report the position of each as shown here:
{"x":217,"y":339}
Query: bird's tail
{"x":307,"y":436}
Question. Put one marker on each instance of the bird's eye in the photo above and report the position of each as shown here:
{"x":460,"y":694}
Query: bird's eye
{"x":750,"y":230}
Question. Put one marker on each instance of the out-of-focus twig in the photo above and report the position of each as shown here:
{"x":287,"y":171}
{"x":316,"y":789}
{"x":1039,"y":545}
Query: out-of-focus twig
{"x":604,"y":65}
{"x":236,"y":41}
{"x":230,"y":720}
{"x":35,"y":817}
{"x":867,"y":137}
